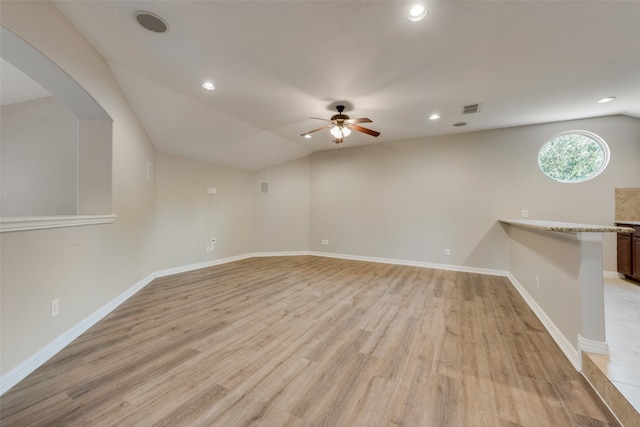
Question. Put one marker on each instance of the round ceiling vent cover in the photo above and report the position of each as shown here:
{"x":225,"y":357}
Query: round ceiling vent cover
{"x":151,"y":21}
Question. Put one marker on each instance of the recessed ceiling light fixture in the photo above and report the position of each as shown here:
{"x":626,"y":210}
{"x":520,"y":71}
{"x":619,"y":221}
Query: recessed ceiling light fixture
{"x":307,"y":136}
{"x":208,"y":85}
{"x":151,"y":21}
{"x":434,"y":116}
{"x":417,"y":13}
{"x":606,"y":99}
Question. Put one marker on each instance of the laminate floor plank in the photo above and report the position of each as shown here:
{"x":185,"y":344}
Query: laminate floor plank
{"x":311,"y":341}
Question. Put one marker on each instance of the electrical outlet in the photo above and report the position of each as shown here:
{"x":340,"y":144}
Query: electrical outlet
{"x":211,"y":190}
{"x":325,"y":242}
{"x":55,"y":307}
{"x":525,"y":213}
{"x":208,"y":248}
{"x":447,"y":251}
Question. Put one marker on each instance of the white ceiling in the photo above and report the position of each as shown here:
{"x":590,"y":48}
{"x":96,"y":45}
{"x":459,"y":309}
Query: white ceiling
{"x":276,"y":63}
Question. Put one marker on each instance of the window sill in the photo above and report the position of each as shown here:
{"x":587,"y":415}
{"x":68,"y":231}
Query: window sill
{"x":9,"y":224}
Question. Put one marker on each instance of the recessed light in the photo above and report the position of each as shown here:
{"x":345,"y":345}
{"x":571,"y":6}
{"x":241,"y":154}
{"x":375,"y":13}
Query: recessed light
{"x":434,"y":116}
{"x":460,"y":124}
{"x":307,"y":136}
{"x":208,"y":85}
{"x":417,"y":13}
{"x":606,"y":99}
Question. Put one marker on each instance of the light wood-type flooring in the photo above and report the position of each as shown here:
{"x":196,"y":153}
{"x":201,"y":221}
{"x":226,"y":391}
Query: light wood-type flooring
{"x":311,"y":341}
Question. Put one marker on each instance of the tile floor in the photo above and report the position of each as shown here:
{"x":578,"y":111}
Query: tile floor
{"x":622,"y":317}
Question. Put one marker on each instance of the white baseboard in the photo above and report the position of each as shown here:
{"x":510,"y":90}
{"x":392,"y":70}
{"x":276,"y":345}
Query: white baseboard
{"x":567,"y":348}
{"x":289,"y":253}
{"x":591,"y":346}
{"x":17,"y":374}
{"x":21,"y":371}
{"x":198,"y":266}
{"x":413,"y":263}
{"x":613,"y":275}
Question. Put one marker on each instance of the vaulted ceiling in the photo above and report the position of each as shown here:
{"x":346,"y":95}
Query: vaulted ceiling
{"x":276,"y":63}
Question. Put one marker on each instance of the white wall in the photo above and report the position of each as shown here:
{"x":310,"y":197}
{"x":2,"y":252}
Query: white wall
{"x":411,"y":200}
{"x":39,"y":155}
{"x":85,"y":267}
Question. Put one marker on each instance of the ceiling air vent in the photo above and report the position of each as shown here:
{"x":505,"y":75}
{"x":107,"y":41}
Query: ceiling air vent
{"x":151,"y":21}
{"x":470,"y":109}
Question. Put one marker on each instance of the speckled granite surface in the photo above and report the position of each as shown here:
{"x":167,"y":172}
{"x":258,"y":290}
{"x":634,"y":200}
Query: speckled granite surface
{"x":567,"y":227}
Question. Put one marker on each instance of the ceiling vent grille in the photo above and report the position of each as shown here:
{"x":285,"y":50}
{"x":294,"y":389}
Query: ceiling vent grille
{"x":151,"y":21}
{"x":470,"y":109}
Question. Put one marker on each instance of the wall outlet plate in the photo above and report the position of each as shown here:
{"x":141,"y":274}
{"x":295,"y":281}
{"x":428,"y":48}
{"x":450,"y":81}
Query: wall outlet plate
{"x":55,"y":307}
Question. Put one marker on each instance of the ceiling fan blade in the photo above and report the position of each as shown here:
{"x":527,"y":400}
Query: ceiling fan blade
{"x":364,"y":130}
{"x":318,"y":118}
{"x":360,"y":120}
{"x":315,"y":130}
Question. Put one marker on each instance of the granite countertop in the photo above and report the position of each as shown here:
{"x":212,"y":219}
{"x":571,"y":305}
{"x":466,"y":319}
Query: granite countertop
{"x":567,"y":227}
{"x":628,"y":222}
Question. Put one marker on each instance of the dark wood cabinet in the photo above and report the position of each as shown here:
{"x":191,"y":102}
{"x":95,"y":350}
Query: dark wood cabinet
{"x":629,"y":253}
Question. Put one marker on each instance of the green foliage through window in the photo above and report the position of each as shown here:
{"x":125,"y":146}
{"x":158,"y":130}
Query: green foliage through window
{"x":574,"y":156}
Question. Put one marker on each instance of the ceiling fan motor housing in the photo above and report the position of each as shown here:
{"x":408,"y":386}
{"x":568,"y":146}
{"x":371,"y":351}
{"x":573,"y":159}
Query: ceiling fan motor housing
{"x":339,"y":118}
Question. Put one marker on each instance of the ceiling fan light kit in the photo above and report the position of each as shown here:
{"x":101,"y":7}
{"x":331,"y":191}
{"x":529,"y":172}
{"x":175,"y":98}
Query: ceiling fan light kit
{"x":340,"y":131}
{"x":342,"y":125}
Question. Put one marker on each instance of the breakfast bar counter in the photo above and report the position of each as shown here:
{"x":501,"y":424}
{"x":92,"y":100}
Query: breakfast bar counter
{"x":566,"y":227}
{"x":557,"y":268}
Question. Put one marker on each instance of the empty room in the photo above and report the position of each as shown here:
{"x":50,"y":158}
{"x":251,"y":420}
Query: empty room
{"x":306,"y":213}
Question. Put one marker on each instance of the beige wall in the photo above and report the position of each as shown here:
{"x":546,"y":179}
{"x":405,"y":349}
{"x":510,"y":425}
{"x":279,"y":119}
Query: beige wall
{"x":39,"y":146}
{"x":281,"y":217}
{"x":85,"y":267}
{"x":241,"y":218}
{"x":187,"y":217}
{"x":411,"y":200}
{"x":555,"y":262}
{"x":405,"y":200}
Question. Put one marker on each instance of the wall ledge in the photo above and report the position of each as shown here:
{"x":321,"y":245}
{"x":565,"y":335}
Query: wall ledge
{"x":11,"y":224}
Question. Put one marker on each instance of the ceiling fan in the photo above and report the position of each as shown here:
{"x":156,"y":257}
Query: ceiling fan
{"x":342,"y":125}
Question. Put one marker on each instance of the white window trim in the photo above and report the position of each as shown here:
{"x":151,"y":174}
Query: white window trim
{"x":597,"y":138}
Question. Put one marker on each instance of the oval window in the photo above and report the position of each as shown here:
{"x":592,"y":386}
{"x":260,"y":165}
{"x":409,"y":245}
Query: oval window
{"x":573,"y":156}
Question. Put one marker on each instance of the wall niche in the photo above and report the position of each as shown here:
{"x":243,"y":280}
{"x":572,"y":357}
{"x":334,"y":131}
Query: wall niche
{"x":55,"y":145}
